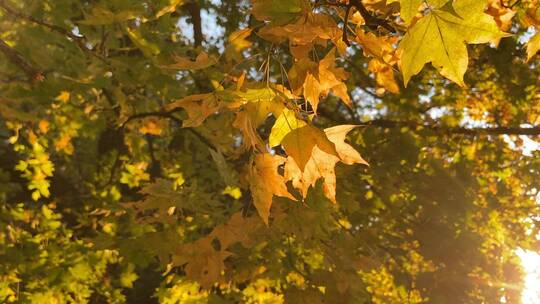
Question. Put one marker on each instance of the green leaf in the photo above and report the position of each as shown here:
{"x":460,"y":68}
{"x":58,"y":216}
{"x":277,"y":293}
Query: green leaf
{"x":440,"y":38}
{"x":279,"y":11}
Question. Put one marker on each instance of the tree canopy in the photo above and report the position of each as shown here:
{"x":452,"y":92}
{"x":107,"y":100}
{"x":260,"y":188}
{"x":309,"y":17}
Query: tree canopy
{"x":268,"y":151}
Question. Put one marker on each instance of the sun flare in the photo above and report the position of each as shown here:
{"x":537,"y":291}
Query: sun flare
{"x":531,"y":264}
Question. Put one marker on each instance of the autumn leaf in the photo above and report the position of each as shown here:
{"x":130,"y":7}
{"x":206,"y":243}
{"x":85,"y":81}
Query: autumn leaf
{"x":63,"y":96}
{"x":384,"y":75}
{"x":266,"y":182}
{"x":284,"y":124}
{"x":313,"y":80}
{"x":409,"y":8}
{"x":201,"y":261}
{"x":152,"y":127}
{"x":312,"y":90}
{"x":299,"y":144}
{"x":533,"y":46}
{"x":236,"y":230}
{"x":171,"y":7}
{"x":202,"y":61}
{"x":198,"y":108}
{"x":440,"y":38}
{"x":237,"y":42}
{"x":248,"y":126}
{"x":502,"y":14}
{"x":321,"y":165}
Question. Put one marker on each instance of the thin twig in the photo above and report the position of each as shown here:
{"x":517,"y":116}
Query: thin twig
{"x":345,"y":22}
{"x":371,"y":20}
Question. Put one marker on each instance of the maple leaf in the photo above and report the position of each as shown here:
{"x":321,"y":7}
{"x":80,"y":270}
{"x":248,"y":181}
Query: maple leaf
{"x":409,"y":8}
{"x":299,"y":144}
{"x":202,"y":61}
{"x":244,"y":123}
{"x":237,"y":43}
{"x":331,"y":78}
{"x":385,"y":57}
{"x":322,"y":164}
{"x":313,"y":80}
{"x":259,"y":104}
{"x":384,"y":75}
{"x":198,"y":108}
{"x":202,"y":262}
{"x":440,"y":38}
{"x":159,"y":200}
{"x":265,"y":182}
{"x":236,"y":230}
{"x":502,"y":14}
{"x":533,"y":46}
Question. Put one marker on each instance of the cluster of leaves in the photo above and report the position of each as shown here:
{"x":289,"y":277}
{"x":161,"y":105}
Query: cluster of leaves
{"x":197,"y":151}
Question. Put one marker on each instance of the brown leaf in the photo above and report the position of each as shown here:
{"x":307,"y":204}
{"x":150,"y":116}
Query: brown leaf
{"x":198,"y":108}
{"x":202,"y":61}
{"x":244,"y":123}
{"x":202,"y":262}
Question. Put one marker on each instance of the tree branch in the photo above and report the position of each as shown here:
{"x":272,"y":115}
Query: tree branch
{"x":194,"y":11}
{"x":371,"y":20}
{"x":502,"y":130}
{"x":17,"y":59}
{"x":417,"y":126}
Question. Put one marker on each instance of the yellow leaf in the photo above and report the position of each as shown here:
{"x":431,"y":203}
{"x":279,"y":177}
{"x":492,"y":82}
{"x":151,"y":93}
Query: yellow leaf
{"x":410,"y":8}
{"x":312,"y":90}
{"x":381,"y":48}
{"x":233,"y":192}
{"x":384,"y":75}
{"x":169,"y":8}
{"x":151,"y":126}
{"x":148,"y":48}
{"x":440,"y":38}
{"x":533,"y":46}
{"x":63,"y":97}
{"x":285,"y":123}
{"x":237,"y":43}
{"x":299,"y":144}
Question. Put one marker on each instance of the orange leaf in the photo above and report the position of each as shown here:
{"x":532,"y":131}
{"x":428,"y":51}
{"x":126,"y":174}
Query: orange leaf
{"x":299,"y":144}
{"x":198,"y":108}
{"x":265,"y":182}
{"x":322,"y":164}
{"x":202,"y":61}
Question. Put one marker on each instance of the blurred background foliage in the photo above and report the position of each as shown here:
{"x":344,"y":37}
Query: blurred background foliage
{"x":104,"y":198}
